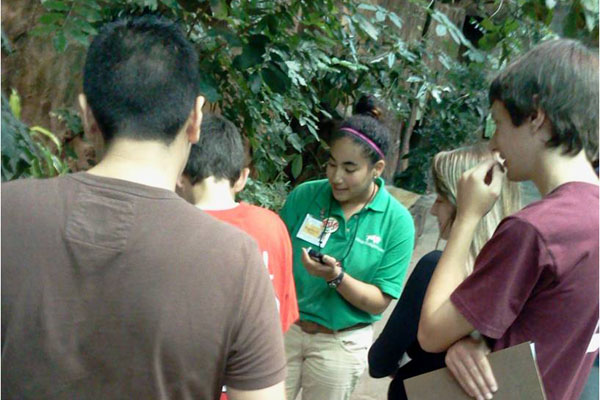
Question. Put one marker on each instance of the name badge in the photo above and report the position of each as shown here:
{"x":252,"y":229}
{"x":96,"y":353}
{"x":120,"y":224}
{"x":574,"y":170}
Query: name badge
{"x":314,"y":230}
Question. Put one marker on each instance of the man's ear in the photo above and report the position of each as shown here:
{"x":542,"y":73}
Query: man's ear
{"x":538,"y":118}
{"x":90,"y":126}
{"x":183,"y":187}
{"x":239,"y":185}
{"x":195,"y":120}
{"x":180,"y":182}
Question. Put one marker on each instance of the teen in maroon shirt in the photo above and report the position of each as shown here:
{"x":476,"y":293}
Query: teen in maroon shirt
{"x":537,"y":277}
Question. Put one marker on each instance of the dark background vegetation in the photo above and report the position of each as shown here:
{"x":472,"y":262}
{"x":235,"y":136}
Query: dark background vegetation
{"x":286,"y":72}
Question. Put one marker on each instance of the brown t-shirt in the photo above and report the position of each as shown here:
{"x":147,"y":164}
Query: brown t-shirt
{"x":112,"y":289}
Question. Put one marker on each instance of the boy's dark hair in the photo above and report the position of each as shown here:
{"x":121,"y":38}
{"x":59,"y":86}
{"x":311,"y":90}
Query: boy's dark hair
{"x":141,"y":79}
{"x":561,"y":78}
{"x":366,"y":120}
{"x":219,"y":152}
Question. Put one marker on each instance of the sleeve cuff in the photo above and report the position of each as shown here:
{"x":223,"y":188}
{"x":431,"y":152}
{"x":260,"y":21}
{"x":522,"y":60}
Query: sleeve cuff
{"x":484,"y":328}
{"x":391,"y":290}
{"x":257,"y":383}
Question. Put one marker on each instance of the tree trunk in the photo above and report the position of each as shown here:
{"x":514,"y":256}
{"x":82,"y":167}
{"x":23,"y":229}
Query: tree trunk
{"x":410,"y":127}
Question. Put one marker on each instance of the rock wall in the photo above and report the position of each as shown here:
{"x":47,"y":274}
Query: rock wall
{"x":44,"y":79}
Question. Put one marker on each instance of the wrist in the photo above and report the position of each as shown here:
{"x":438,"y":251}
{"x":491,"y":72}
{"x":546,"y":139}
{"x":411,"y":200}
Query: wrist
{"x":335,"y":272}
{"x":337,"y":281}
{"x":466,"y":221}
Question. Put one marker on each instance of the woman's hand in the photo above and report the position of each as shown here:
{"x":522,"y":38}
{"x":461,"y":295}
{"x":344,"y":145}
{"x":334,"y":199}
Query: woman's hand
{"x":328,"y":270}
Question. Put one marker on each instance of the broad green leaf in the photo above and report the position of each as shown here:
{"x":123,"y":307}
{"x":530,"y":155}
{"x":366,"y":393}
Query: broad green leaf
{"x":84,"y":26}
{"x":391,"y":59}
{"x":550,"y":4}
{"x":252,"y":53}
{"x":88,"y":13}
{"x":570,"y":25}
{"x":48,"y":134}
{"x":255,"y":82}
{"x":15,"y":103}
{"x":366,"y":26}
{"x":76,"y":34}
{"x":395,"y":19}
{"x":91,"y":4}
{"x":378,"y":58}
{"x":368,"y":7}
{"x":591,"y":6}
{"x":209,"y":88}
{"x":275,"y":79}
{"x":56,"y":5}
{"x":51,"y":18}
{"x":313,"y":131}
{"x":591,"y":21}
{"x":151,"y":4}
{"x":380,"y":16}
{"x":490,"y":127}
{"x":297,"y":166}
{"x":293,"y":65}
{"x":350,"y":65}
{"x":219,"y":8}
{"x":295,"y":141}
{"x":43,"y":30}
{"x":511,"y":25}
{"x":488,"y":25}
{"x":59,"y":41}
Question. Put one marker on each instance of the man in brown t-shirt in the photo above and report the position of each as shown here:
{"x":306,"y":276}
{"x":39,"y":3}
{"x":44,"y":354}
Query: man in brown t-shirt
{"x":112,"y":285}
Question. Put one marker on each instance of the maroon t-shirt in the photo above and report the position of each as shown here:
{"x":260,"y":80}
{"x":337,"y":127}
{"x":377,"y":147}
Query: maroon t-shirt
{"x":537,"y":279}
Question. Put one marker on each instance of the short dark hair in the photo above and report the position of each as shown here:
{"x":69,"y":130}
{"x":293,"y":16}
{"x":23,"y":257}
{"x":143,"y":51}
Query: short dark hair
{"x":219,"y":152}
{"x":560,"y":77}
{"x":366,"y":120}
{"x":141,"y":78}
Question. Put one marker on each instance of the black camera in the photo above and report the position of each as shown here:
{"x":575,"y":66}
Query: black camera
{"x":315,"y":255}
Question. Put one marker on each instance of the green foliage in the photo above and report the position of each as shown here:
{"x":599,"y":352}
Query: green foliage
{"x":281,"y":70}
{"x":25,"y":152}
{"x":530,"y":21}
{"x":268,"y":195}
{"x":456,"y":116}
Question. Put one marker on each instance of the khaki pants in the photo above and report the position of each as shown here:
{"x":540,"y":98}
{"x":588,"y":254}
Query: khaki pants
{"x":325,"y":366}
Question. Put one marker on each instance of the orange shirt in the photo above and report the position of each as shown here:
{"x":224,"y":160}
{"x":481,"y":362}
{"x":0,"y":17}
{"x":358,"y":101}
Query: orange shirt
{"x":273,"y":240}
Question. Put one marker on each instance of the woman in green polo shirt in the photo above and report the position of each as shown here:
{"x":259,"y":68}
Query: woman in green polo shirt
{"x":365,"y":240}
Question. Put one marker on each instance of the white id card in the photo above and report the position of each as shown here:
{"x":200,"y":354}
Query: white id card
{"x":311,"y":231}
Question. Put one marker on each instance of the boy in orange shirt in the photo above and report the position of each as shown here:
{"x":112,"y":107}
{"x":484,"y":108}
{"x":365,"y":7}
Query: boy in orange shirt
{"x":215,"y":172}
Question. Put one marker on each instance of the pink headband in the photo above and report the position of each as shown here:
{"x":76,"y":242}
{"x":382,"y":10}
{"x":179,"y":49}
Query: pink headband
{"x":364,"y":138}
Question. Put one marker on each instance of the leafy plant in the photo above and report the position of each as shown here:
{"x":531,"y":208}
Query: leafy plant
{"x":456,"y":116}
{"x":285,"y":71}
{"x":268,"y":195}
{"x":25,"y":152}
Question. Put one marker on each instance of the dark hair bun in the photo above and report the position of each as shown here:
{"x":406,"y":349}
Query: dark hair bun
{"x":367,"y":105}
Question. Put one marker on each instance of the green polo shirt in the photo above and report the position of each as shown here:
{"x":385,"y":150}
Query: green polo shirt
{"x":380,"y":254}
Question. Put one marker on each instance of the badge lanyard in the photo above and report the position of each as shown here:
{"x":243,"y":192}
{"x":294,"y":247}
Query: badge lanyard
{"x":348,"y":247}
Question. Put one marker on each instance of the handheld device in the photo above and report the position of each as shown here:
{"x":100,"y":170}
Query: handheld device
{"x":316,"y":255}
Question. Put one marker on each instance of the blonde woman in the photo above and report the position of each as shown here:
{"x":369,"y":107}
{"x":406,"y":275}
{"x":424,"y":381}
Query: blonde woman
{"x":397,"y":352}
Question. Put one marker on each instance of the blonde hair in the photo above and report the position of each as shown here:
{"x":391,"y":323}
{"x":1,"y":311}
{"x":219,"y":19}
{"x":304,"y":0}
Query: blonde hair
{"x":447,"y":168}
